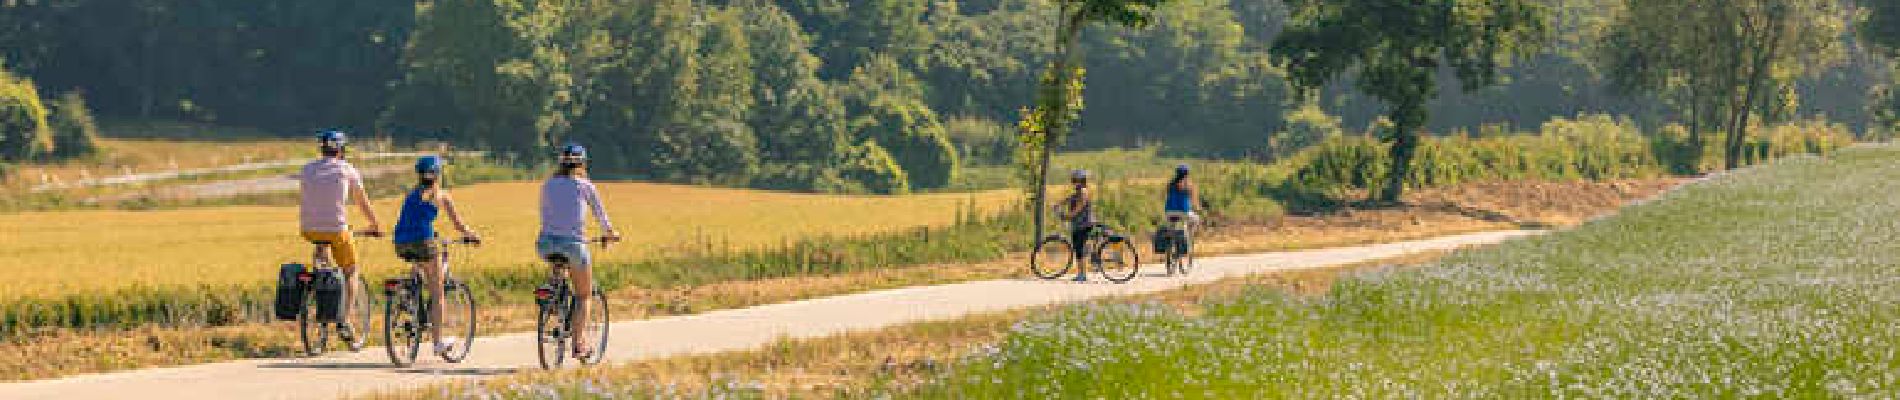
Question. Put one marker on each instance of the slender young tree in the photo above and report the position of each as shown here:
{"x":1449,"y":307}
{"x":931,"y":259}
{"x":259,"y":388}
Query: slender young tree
{"x":1396,"y":50}
{"x":1059,"y":96}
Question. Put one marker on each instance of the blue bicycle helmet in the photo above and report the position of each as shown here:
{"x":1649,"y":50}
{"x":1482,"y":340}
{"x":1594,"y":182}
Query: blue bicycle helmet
{"x":430,"y":165}
{"x":1181,"y":169}
{"x":332,"y":139}
{"x":572,"y":154}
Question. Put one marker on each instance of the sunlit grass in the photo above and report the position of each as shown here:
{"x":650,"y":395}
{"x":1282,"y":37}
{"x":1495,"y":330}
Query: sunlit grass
{"x":1773,"y":282}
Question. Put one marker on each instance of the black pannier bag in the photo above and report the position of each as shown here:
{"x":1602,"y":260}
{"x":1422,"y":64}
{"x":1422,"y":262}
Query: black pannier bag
{"x":1161,"y":242}
{"x":289,"y":292}
{"x":328,"y":287}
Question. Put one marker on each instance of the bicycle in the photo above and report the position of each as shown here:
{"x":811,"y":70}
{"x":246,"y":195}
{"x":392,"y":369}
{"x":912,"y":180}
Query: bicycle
{"x":1175,"y":245}
{"x":314,"y":330}
{"x":408,"y":306}
{"x":554,"y":324}
{"x":1104,"y":247}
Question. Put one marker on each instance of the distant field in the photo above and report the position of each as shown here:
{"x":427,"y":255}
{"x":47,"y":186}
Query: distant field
{"x":55,"y":253}
{"x":1773,"y":282}
{"x":123,"y":156}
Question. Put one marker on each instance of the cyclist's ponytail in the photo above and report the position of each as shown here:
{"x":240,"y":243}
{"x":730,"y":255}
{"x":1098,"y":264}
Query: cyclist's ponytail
{"x":429,"y":187}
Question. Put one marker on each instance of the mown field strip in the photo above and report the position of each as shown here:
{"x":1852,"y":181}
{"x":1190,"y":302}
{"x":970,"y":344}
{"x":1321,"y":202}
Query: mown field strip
{"x":739,"y":329}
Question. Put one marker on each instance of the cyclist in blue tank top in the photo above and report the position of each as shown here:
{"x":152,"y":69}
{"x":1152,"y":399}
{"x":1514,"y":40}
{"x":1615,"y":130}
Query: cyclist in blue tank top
{"x":1182,"y":197}
{"x":415,"y":236}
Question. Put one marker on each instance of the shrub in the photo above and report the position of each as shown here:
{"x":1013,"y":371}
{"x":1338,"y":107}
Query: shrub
{"x":870,"y":168}
{"x":74,"y":132}
{"x":1305,"y":127}
{"x":981,"y":140}
{"x":24,"y":134}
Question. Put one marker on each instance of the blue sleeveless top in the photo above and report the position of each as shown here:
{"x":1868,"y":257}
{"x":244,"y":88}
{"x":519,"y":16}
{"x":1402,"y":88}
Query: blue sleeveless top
{"x":1178,"y":201}
{"x":417,"y":222}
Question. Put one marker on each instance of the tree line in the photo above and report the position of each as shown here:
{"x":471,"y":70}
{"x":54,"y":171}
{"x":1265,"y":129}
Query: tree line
{"x":898,"y":95}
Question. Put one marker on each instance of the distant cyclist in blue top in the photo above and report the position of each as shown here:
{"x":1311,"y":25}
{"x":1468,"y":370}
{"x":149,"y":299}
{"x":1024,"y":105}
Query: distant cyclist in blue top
{"x":1182,"y":197}
{"x":416,"y":239}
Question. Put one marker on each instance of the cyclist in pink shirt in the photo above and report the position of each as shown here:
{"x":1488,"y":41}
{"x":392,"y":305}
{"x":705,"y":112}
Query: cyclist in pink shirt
{"x":327,"y":186}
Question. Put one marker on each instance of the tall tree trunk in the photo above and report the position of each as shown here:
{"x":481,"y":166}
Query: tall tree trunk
{"x":1405,"y":142}
{"x":1056,"y":119}
{"x":1764,"y":57}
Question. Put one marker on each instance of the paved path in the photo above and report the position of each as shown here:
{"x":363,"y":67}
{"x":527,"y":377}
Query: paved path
{"x":739,"y":329}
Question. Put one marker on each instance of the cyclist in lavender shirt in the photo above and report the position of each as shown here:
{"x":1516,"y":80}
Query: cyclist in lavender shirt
{"x":565,"y":198}
{"x":327,"y":186}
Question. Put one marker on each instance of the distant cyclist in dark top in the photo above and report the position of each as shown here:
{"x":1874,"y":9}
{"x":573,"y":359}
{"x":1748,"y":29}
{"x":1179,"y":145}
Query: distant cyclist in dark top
{"x":416,"y":242}
{"x":1182,"y":196}
{"x":1079,"y":209}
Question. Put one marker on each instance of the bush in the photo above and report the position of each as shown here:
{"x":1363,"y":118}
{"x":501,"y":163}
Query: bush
{"x":74,"y":132}
{"x":981,"y":140}
{"x":24,"y":134}
{"x":1305,"y":127}
{"x":870,"y":168}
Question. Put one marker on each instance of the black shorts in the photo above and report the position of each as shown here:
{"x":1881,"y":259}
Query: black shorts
{"x":423,"y":251}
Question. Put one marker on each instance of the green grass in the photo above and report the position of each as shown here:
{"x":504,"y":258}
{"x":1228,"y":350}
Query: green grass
{"x":1772,"y":282}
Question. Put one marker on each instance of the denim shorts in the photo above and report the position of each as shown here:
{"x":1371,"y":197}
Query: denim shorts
{"x":573,"y":248}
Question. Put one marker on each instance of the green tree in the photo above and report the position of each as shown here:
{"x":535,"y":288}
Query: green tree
{"x":24,"y":133}
{"x":1724,"y":61}
{"x":886,"y":105}
{"x":1059,"y":94}
{"x":1396,"y":50}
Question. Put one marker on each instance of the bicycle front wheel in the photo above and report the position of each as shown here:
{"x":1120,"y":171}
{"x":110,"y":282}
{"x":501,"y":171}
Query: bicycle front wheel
{"x":402,"y":327}
{"x":1118,"y":260}
{"x":1052,"y":258}
{"x":458,"y":320}
{"x":360,"y":314}
{"x":596,"y":326}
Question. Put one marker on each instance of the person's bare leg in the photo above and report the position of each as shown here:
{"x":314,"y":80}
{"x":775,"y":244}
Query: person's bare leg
{"x":432,"y":276}
{"x":583,"y":295}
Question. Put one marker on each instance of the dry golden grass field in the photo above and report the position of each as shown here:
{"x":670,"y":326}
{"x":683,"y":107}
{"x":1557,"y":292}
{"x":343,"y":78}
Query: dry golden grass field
{"x":66,"y":252}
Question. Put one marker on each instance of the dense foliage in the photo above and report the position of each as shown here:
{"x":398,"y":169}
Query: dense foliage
{"x":798,"y":94}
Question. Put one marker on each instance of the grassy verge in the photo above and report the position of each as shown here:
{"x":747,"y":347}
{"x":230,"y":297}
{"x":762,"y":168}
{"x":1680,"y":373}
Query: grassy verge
{"x":1770,"y":282}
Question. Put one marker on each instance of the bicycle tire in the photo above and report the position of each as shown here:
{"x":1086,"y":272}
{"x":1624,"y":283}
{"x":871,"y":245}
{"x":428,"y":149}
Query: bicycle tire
{"x":362,"y":311}
{"x":549,"y":332}
{"x":1047,"y":252}
{"x":461,"y":303}
{"x":402,"y":326}
{"x":598,"y":324}
{"x":315,"y":333}
{"x":1173,"y":261}
{"x":1123,"y":254}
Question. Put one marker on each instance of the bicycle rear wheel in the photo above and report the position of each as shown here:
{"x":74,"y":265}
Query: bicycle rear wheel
{"x":1052,"y":258}
{"x":1118,"y":260}
{"x":402,"y":325}
{"x":596,"y":326}
{"x":315,"y":334}
{"x":551,"y":332}
{"x":458,"y":319}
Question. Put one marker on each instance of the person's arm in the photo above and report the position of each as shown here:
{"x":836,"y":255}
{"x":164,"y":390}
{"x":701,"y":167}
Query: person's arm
{"x":361,"y":197}
{"x":455,"y":217}
{"x":1083,"y":199}
{"x":592,"y":196}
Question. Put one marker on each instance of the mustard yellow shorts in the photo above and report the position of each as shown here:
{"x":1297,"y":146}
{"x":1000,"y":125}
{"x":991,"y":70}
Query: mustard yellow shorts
{"x":342,"y":250}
